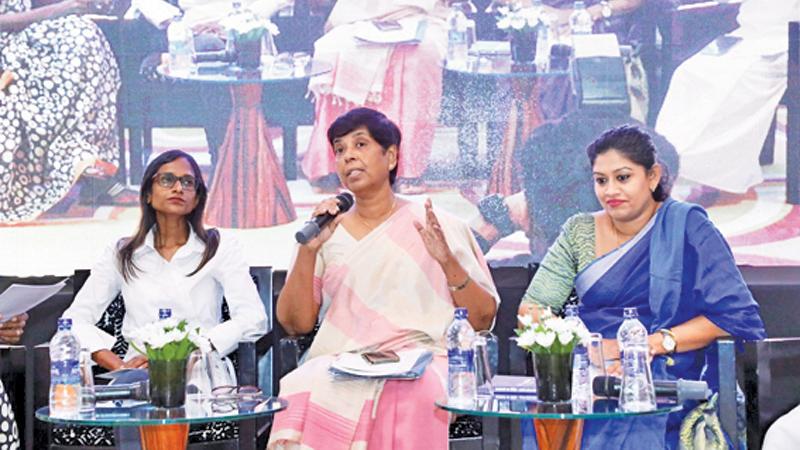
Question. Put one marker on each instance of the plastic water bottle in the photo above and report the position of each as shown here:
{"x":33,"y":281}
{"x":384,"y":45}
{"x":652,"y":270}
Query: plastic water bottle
{"x":164,"y":313}
{"x":181,"y":47}
{"x":580,"y":21}
{"x":461,"y":388}
{"x":581,"y":377}
{"x":65,"y":377}
{"x":637,"y":393}
{"x":457,"y":37}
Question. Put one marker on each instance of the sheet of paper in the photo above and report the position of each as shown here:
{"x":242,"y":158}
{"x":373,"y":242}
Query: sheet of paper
{"x":589,"y":45}
{"x":354,"y":364}
{"x":20,"y":298}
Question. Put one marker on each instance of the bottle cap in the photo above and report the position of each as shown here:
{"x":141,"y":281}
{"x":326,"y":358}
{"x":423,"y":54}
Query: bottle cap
{"x":461,"y":313}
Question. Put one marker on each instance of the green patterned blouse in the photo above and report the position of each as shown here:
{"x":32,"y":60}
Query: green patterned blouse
{"x":572,"y":251}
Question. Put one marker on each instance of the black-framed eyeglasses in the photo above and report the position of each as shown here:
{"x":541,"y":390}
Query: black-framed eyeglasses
{"x":235,"y":391}
{"x":167,"y":179}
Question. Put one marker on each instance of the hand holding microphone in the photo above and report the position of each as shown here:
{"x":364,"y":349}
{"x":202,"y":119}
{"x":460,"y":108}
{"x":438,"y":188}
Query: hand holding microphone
{"x":324,"y":214}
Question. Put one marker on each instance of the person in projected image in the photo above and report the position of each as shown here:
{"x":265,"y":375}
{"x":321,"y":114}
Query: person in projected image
{"x":58,"y":113}
{"x":385,"y":275}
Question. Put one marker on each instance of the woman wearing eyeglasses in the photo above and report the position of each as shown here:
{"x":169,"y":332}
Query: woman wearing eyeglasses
{"x":171,"y":261}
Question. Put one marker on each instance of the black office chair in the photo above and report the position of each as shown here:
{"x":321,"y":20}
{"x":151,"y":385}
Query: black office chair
{"x":222,"y":436}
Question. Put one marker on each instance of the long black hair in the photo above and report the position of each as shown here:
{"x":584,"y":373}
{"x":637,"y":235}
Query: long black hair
{"x":129,"y":245}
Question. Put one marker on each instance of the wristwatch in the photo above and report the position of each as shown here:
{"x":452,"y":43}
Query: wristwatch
{"x":605,"y":9}
{"x":668,"y":341}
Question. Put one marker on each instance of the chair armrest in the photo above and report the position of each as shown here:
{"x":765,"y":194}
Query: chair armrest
{"x":291,"y":350}
{"x":726,"y":348}
{"x":247,"y":373}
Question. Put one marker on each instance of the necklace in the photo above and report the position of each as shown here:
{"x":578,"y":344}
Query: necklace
{"x":379,"y":219}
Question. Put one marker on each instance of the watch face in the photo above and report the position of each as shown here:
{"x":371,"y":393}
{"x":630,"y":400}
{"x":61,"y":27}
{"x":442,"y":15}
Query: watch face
{"x":668,"y":343}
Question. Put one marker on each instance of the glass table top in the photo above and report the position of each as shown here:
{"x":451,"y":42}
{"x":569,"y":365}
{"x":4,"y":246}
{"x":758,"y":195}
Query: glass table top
{"x":195,"y":411}
{"x":271,"y":71}
{"x":530,"y":408}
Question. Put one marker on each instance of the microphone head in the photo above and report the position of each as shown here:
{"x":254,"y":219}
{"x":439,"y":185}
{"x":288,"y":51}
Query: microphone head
{"x":606,"y":386}
{"x":345,"y":201}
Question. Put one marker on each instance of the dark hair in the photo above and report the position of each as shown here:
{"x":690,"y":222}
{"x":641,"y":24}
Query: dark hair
{"x":383,"y":130}
{"x":637,"y":146}
{"x":148,"y":220}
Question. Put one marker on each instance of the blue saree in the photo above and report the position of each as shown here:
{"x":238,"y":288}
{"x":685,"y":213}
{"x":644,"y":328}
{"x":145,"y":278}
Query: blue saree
{"x":677,"y":268}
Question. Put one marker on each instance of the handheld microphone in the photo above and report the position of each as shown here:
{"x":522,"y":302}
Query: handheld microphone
{"x":312,"y":228}
{"x":681,"y":389}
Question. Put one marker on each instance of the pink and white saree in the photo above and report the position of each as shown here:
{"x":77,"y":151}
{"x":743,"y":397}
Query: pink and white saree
{"x":382,"y":292}
{"x":403,"y":81}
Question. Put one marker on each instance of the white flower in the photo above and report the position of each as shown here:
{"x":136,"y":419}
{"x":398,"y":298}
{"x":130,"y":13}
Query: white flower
{"x":545,"y":339}
{"x":517,"y":22}
{"x":565,"y":337}
{"x":526,"y":320}
{"x":526,"y":339}
{"x":504,"y":23}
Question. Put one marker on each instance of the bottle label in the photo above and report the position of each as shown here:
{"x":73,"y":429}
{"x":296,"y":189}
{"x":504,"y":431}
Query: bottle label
{"x":65,"y":372}
{"x":460,"y":360}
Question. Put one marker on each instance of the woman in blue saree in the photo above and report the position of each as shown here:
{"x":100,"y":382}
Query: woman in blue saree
{"x":663,"y":257}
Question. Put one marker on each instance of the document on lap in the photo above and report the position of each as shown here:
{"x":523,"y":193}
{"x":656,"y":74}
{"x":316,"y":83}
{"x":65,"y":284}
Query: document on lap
{"x":20,"y":298}
{"x":411,"y":365}
{"x":411,"y":31}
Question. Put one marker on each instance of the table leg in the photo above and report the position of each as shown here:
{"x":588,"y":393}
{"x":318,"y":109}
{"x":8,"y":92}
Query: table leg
{"x":249,"y":189}
{"x":558,"y":434}
{"x":127,"y":438}
{"x":164,"y":437}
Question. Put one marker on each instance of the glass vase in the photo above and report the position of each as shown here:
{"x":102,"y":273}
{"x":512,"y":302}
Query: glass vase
{"x":553,"y":373}
{"x":523,"y":47}
{"x":248,"y":53}
{"x":167,"y":382}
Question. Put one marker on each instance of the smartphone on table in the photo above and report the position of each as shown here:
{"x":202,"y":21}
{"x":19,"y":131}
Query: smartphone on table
{"x":382,"y":357}
{"x":387,"y":25}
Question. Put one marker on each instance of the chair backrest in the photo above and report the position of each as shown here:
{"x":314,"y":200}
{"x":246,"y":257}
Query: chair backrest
{"x":770,"y":378}
{"x":111,"y":323}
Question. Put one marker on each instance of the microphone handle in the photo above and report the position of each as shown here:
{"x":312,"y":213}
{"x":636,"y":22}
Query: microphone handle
{"x":309,"y":231}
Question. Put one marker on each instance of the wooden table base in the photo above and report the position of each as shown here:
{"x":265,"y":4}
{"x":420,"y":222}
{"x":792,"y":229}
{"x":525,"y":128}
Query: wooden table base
{"x":555,"y":434}
{"x":164,"y":437}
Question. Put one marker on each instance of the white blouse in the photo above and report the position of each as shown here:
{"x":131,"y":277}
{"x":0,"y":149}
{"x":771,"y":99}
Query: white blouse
{"x":163,"y":284}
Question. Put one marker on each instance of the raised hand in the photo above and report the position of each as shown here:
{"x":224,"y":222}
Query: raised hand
{"x":433,"y":236}
{"x":12,"y":329}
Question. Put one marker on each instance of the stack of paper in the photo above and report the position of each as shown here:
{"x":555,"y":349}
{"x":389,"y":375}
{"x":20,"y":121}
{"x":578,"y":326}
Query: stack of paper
{"x":411,"y":365}
{"x":511,"y":386}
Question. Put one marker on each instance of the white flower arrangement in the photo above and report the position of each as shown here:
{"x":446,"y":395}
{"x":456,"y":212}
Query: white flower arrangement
{"x":519,"y":20}
{"x":550,"y":335}
{"x":169,"y":339}
{"x":245,"y":25}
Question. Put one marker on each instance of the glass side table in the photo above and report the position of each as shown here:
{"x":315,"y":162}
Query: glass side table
{"x":249,"y":188}
{"x":166,"y":429}
{"x":557,"y":426}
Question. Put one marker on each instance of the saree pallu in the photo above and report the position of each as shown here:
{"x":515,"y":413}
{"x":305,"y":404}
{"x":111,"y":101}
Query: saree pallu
{"x":676,"y":268}
{"x":382,"y":292}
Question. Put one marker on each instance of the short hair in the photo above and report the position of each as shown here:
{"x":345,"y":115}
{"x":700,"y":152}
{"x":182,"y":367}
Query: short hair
{"x":637,"y":146}
{"x":380,"y":128}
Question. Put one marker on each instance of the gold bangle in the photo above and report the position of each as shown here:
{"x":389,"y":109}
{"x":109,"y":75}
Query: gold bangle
{"x":460,"y":286}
